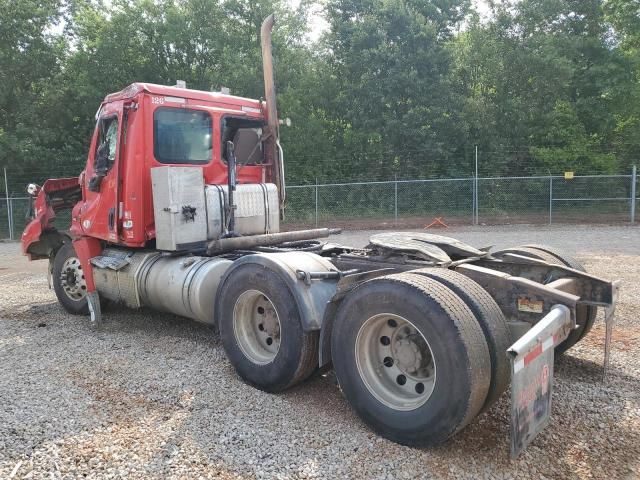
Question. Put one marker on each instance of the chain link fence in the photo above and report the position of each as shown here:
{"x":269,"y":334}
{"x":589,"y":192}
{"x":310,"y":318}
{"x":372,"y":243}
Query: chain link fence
{"x":416,"y":203}
{"x":485,"y":200}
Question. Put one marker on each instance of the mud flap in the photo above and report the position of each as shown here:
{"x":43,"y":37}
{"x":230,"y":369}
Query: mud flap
{"x":50,"y":273}
{"x":532,"y":376}
{"x":93,"y":301}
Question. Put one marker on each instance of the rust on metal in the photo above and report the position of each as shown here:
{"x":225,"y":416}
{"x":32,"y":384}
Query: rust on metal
{"x":532,"y":306}
{"x":512,"y":293}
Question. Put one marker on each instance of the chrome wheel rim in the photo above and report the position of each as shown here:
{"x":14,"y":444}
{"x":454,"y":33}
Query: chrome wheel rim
{"x":72,"y":279}
{"x":256,"y":326}
{"x":395,"y":362}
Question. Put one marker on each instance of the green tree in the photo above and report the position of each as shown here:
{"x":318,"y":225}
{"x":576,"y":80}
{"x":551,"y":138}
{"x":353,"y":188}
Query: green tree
{"x":543,"y":74}
{"x":395,"y":87}
{"x":31,"y":54}
{"x":625,"y":19}
{"x":394,"y":108}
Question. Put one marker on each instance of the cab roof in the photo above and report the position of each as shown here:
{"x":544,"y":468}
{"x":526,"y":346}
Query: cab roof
{"x":164,"y":90}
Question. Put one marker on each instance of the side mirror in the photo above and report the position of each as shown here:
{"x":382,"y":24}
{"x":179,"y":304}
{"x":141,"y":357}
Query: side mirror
{"x":102,"y":159}
{"x":101,"y":166}
{"x":231,"y":164}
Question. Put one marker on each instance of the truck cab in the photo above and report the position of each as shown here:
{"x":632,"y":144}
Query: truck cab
{"x":146,"y":126}
{"x":178,"y":209}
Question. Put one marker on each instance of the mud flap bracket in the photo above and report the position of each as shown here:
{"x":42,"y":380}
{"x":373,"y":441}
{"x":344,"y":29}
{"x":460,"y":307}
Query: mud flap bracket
{"x":609,"y":315}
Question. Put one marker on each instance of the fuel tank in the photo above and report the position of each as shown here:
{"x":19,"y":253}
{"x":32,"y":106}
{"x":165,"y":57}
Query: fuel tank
{"x":183,"y":285}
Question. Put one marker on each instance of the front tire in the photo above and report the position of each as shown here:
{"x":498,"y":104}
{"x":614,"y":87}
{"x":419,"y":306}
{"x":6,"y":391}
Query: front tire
{"x":69,"y":282}
{"x":410,"y":358}
{"x":261,"y":329}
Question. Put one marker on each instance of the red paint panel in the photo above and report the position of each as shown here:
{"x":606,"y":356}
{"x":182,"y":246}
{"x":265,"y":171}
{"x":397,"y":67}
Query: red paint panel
{"x":533,"y":354}
{"x":45,"y":207}
{"x":86,"y":248}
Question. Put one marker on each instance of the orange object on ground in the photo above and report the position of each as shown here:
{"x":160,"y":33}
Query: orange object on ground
{"x":437,"y":223}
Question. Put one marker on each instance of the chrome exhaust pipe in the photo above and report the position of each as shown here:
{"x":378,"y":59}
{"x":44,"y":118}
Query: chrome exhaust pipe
{"x":223,"y":245}
{"x":272,"y":112}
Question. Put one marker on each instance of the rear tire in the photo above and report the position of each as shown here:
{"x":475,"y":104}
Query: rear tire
{"x":585,"y":314}
{"x":261,"y":329}
{"x":68,"y":281}
{"x":491,"y":320}
{"x":527,"y":251}
{"x":418,"y":326}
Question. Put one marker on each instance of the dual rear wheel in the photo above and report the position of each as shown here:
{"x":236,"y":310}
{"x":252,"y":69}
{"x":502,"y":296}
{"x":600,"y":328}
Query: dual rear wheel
{"x":418,"y":355}
{"x":412,"y":357}
{"x":410,"y":350}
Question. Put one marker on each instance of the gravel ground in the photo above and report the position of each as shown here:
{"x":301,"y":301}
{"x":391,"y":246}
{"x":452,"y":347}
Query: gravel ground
{"x":150,"y":395}
{"x":582,"y":240}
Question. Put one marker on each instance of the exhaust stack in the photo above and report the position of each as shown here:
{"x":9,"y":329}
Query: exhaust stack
{"x":272,"y":112}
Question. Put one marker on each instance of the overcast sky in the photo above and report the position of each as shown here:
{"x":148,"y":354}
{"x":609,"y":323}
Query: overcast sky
{"x":482,"y":6}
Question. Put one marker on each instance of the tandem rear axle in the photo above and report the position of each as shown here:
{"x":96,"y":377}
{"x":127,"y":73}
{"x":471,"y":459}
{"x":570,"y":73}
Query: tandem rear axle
{"x":424,"y":332}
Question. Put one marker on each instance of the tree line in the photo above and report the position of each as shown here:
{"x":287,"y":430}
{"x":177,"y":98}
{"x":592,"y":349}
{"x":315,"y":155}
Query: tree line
{"x":392,"y":88}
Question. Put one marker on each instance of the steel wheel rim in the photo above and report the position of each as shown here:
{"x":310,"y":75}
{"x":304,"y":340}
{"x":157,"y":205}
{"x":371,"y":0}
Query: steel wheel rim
{"x":395,"y":362}
{"x":72,"y":279}
{"x":256,"y":326}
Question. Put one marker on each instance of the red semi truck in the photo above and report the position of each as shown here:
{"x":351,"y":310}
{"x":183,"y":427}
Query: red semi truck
{"x":179,"y":208}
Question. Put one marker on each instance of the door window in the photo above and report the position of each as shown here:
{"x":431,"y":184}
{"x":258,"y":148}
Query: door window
{"x":105,"y":154}
{"x":107,"y":143}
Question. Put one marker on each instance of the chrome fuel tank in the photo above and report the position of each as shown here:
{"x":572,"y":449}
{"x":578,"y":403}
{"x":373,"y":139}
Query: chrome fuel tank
{"x":185,"y":286}
{"x":256,"y":213}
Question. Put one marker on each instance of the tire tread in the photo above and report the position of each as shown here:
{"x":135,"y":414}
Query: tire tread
{"x":74,"y":307}
{"x":303,"y":350}
{"x":308,"y":358}
{"x":469,"y":331}
{"x":491,"y":320}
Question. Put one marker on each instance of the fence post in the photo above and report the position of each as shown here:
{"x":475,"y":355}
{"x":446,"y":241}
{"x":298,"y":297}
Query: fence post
{"x":9,"y":216}
{"x":316,"y":202}
{"x":550,"y":198}
{"x":12,"y":234}
{"x":395,"y":200}
{"x":477,"y":215}
{"x":633,"y":194}
{"x":473,"y":200}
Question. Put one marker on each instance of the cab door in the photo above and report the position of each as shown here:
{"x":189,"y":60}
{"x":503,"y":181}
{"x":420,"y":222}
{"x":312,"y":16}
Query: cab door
{"x":99,"y":215}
